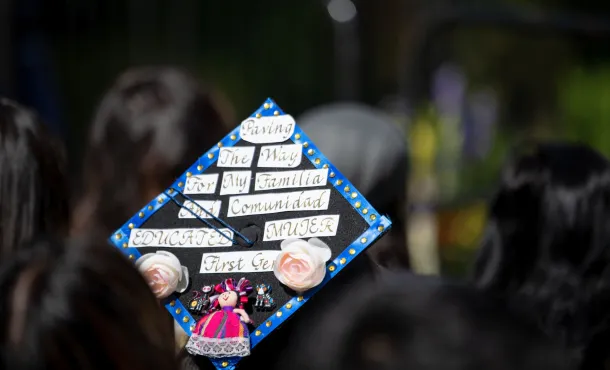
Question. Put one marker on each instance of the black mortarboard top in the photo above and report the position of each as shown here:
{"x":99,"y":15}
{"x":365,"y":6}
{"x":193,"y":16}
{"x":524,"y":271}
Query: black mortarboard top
{"x":228,"y":217}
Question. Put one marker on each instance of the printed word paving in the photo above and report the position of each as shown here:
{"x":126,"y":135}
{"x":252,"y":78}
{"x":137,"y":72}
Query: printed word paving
{"x":263,"y":130}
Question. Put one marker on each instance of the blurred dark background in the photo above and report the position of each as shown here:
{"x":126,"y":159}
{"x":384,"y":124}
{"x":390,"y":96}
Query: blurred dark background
{"x":467,"y":80}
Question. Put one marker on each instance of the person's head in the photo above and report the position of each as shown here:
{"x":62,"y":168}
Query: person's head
{"x":547,"y":241}
{"x":149,"y":128}
{"x":80,"y":305}
{"x":370,"y":150}
{"x":33,"y":179}
{"x":421,"y":323}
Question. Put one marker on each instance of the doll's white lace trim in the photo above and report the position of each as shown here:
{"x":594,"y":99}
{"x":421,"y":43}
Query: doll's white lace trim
{"x":218,"y":347}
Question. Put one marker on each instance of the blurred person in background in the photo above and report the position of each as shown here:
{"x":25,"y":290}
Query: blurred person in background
{"x":149,"y":128}
{"x":403,"y":321}
{"x":547,"y":244}
{"x":33,"y":179}
{"x":152,"y":125}
{"x":370,"y":150}
{"x":80,"y":305}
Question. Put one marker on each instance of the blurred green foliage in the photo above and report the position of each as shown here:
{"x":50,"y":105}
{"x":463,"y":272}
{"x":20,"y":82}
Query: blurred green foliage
{"x":584,"y":107}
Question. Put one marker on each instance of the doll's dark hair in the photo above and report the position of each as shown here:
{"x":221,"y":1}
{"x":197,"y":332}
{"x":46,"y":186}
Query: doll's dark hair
{"x":80,"y":305}
{"x":33,"y":179}
{"x":150,"y":126}
{"x":547,"y":244}
{"x":422,"y":323}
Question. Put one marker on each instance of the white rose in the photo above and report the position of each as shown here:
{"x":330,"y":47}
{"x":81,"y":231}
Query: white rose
{"x":301,"y":265}
{"x":163,"y":273}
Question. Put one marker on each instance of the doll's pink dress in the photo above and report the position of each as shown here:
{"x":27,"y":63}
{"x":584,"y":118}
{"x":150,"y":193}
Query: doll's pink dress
{"x":220,"y":334}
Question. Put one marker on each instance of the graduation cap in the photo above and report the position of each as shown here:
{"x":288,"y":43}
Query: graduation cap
{"x":248,"y":234}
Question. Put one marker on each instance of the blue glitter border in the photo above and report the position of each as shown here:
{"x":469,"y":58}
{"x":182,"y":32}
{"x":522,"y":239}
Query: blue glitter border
{"x":378,"y":225}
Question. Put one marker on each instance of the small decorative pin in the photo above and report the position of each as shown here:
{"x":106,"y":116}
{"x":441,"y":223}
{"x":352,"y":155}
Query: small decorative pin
{"x":200,"y":304}
{"x":264,"y":301}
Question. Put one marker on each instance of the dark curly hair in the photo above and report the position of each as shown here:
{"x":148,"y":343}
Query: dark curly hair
{"x":150,"y":126}
{"x":547,"y":244}
{"x":33,"y":179}
{"x":404,"y":321}
{"x":80,"y":305}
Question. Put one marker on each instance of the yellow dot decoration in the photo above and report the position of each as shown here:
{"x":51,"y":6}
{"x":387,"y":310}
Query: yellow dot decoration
{"x":199,"y":168}
{"x":141,"y":214}
{"x":332,"y":174}
{"x":268,"y":324}
{"x":288,"y":305}
{"x":160,"y":200}
{"x":258,"y":115}
{"x":192,"y":327}
{"x":365,"y":211}
{"x":305,"y":144}
{"x":180,"y":184}
{"x":194,"y":303}
{"x":279,"y":314}
{"x":131,"y":256}
{"x":325,"y":166}
{"x":188,"y":174}
{"x":380,"y":228}
{"x":352,"y":251}
{"x":354,"y":195}
{"x":331,"y":268}
{"x":171,"y":191}
{"x":310,"y":152}
{"x":178,"y":310}
{"x":225,"y":364}
{"x":172,"y":303}
{"x":346,"y":189}
{"x":266,"y":105}
{"x":357,"y":204}
{"x":317,"y":161}
{"x":342,"y":261}
{"x":297,"y":136}
{"x":185,"y":319}
{"x":210,"y":155}
{"x":300,"y":298}
{"x":219,"y":145}
{"x":257,"y":333}
{"x":276,"y":113}
{"x":150,"y":208}
{"x":125,"y":245}
{"x":373,"y":217}
{"x":339,"y":182}
{"x":118,"y":236}
{"x":233,"y":137}
{"x":363,"y":240}
{"x":131,"y":226}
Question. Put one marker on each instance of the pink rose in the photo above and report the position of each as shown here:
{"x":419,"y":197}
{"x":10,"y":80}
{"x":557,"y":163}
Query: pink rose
{"x":301,"y":265}
{"x":163,"y":273}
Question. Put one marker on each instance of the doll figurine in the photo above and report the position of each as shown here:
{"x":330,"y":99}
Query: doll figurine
{"x":224,"y":332}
